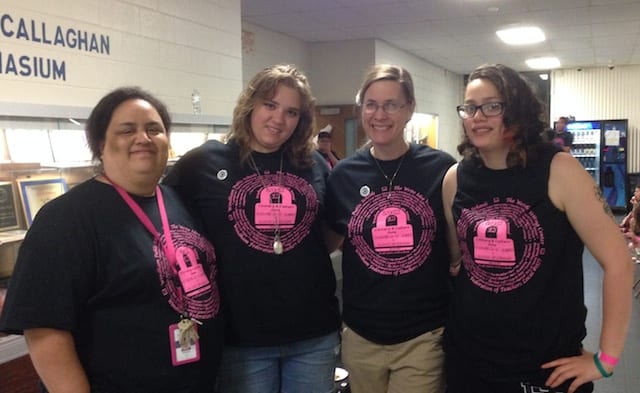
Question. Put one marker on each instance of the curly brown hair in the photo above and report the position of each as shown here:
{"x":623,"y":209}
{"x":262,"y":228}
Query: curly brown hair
{"x":263,"y":86}
{"x":523,"y":113}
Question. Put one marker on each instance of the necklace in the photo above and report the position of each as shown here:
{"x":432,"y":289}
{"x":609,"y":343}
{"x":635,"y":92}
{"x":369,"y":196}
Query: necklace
{"x":393,"y":177}
{"x":278,"y":247}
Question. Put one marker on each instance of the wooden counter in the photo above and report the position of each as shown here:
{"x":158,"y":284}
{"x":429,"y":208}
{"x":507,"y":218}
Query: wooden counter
{"x":18,"y":375}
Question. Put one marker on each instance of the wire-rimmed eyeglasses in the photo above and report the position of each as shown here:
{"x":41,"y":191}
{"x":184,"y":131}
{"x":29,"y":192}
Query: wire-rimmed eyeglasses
{"x":389,"y":107}
{"x":489,"y":109}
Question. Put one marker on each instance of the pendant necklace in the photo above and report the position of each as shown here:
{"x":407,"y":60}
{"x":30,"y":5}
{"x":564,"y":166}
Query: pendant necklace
{"x":278,"y":247}
{"x":393,"y":177}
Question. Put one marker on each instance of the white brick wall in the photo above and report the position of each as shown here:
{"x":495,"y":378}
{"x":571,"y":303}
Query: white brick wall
{"x":168,"y":47}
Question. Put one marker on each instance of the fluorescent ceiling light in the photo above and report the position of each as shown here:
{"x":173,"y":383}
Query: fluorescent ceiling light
{"x":543,"y":63}
{"x":521,"y":35}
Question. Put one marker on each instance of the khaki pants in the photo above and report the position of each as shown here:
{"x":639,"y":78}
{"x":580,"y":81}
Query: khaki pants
{"x":414,"y":366}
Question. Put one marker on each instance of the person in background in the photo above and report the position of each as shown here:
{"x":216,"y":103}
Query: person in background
{"x":261,"y":196}
{"x":562,"y":137}
{"x":635,"y":202}
{"x":516,"y":208}
{"x":630,"y":226}
{"x":324,"y":146}
{"x":633,"y":236}
{"x":384,"y":203}
{"x":113,"y":275}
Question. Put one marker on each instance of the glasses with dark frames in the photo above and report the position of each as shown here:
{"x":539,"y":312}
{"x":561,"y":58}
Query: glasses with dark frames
{"x":489,"y":109}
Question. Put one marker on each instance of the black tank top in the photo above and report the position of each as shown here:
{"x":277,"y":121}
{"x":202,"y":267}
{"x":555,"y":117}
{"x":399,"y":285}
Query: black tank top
{"x":518,"y":300}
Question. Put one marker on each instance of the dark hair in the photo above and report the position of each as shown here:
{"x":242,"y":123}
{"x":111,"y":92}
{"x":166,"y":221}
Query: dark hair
{"x":635,"y":225}
{"x":299,"y":147}
{"x":324,"y":135}
{"x":100,"y":117}
{"x":523,"y":113}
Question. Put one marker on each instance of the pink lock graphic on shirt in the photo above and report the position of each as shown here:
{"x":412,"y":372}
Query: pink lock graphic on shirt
{"x":275,"y":209}
{"x":192,"y":276}
{"x":392,"y":233}
{"x":492,"y":247}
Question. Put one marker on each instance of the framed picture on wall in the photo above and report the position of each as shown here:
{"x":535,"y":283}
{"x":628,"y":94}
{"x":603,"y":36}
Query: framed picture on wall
{"x":9,"y":210}
{"x":36,"y":191}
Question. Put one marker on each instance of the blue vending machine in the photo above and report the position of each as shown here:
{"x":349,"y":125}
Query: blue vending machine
{"x":613,"y":166}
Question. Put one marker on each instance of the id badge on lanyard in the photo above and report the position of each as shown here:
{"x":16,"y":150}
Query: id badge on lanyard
{"x":184,"y":341}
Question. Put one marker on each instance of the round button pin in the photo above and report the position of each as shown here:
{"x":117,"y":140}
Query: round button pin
{"x":222,"y":174}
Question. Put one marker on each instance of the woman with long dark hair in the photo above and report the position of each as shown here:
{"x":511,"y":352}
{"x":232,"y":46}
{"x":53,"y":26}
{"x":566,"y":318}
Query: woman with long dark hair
{"x":520,"y":212}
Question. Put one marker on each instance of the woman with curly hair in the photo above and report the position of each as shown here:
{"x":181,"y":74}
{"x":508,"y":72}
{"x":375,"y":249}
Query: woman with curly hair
{"x":520,"y":212}
{"x":260,"y":196}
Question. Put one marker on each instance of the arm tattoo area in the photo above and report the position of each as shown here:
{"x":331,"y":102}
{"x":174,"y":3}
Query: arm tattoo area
{"x":605,"y":205}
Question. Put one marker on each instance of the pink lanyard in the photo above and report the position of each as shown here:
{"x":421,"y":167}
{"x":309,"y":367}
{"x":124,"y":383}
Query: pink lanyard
{"x":169,"y":248}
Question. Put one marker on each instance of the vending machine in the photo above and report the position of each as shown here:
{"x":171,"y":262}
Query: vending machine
{"x":613,"y":167}
{"x":601,"y":147}
{"x":586,"y":145}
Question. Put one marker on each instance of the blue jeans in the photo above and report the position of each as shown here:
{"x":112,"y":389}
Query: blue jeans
{"x":303,"y":366}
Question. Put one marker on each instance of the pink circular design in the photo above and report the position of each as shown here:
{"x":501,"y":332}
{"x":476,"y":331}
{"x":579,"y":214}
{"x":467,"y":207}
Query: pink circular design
{"x":296,"y":193}
{"x":495,"y":262}
{"x":392,"y":232}
{"x":202,"y":304}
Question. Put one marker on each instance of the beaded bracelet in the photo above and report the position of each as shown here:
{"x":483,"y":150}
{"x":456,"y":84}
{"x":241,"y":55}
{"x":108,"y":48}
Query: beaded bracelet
{"x":603,"y":372}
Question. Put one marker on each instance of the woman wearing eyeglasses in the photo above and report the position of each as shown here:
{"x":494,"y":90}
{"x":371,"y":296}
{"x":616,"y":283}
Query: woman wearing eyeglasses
{"x":520,"y":211}
{"x":385,"y":204}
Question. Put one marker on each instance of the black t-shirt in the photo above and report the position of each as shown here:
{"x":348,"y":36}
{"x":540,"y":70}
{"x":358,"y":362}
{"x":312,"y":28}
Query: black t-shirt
{"x":518,"y":300}
{"x":563,"y":139}
{"x":395,"y":258}
{"x":268,"y":299}
{"x":88,"y":265}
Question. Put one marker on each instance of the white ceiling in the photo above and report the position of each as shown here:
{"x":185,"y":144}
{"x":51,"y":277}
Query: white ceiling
{"x":459,"y":35}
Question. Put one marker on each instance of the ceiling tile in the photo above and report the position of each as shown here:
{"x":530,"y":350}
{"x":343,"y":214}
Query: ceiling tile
{"x":460,"y":34}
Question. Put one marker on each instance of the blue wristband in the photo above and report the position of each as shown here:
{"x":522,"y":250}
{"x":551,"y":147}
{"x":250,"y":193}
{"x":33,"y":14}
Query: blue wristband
{"x":603,"y":372}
